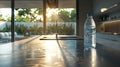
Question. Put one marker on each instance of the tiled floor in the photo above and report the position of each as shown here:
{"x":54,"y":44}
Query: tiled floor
{"x":33,"y":52}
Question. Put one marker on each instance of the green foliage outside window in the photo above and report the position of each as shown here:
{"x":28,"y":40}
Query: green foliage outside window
{"x":60,"y":29}
{"x":35,"y":30}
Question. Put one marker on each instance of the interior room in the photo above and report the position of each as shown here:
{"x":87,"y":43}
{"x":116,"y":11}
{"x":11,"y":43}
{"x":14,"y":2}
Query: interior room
{"x":53,"y":33}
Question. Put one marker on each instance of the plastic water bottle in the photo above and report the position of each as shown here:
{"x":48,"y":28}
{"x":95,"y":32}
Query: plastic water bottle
{"x":89,"y":32}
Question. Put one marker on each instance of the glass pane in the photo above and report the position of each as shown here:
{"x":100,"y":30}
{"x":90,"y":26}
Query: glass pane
{"x":5,"y":22}
{"x":5,"y":34}
{"x":61,"y":20}
{"x":28,"y":18}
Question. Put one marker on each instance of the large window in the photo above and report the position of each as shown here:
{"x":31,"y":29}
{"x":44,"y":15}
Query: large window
{"x":61,"y":17}
{"x":29,"y":21}
{"x":29,"y":18}
{"x":61,"y":21}
{"x":5,"y":25}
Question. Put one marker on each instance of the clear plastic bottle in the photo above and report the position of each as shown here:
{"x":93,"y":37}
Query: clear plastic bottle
{"x":89,"y":32}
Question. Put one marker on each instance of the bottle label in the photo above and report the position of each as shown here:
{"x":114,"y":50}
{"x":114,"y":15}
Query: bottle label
{"x":90,"y":36}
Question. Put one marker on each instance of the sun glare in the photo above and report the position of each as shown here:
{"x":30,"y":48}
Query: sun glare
{"x":51,"y":11}
{"x":5,"y":12}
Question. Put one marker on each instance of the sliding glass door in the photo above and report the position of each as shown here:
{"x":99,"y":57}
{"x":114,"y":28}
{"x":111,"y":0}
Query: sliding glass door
{"x":5,"y":21}
{"x":61,"y":17}
{"x":37,"y":17}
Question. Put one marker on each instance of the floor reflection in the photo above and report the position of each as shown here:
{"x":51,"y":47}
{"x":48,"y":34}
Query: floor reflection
{"x":6,"y":56}
{"x":6,"y":61}
{"x":54,"y":53}
{"x":99,"y":58}
{"x":93,"y":58}
{"x":6,"y":48}
{"x":73,"y":51}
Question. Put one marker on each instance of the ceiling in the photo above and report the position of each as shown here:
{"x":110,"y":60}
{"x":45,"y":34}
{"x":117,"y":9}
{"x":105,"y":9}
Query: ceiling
{"x":36,"y":3}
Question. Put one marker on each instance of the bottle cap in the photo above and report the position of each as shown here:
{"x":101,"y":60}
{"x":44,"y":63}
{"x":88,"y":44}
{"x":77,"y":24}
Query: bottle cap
{"x":89,"y":14}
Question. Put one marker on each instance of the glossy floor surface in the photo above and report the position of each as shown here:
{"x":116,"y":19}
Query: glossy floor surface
{"x":34,"y":52}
